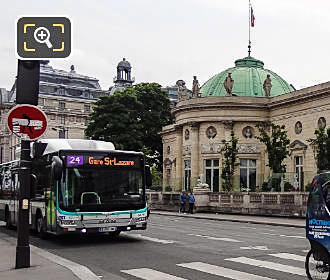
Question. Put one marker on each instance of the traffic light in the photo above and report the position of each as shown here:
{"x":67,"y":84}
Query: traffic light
{"x":27,"y":83}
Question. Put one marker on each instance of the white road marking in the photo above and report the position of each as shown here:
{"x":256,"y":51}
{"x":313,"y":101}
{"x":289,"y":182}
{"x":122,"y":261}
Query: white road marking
{"x":215,"y":238}
{"x":261,"y":248}
{"x":82,"y":272}
{"x":150,"y":274}
{"x":222,"y":271}
{"x":269,"y":265}
{"x":288,"y":256}
{"x":283,"y":235}
{"x":152,"y":239}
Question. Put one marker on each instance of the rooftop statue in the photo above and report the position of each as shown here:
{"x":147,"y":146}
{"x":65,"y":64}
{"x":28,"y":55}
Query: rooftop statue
{"x":267,"y":86}
{"x":195,"y":88}
{"x":228,"y":84}
{"x":183,"y":92}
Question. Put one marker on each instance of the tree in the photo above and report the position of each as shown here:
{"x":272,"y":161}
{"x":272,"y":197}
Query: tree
{"x":277,"y":148}
{"x":277,"y":145}
{"x":132,"y":120}
{"x":229,"y":151}
{"x":321,"y":146}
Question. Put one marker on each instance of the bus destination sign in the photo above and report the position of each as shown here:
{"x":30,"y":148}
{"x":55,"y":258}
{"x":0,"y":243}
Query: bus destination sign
{"x":74,"y":160}
{"x":110,"y":161}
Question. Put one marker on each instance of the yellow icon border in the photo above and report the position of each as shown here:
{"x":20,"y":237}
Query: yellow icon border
{"x":59,"y":25}
{"x":27,"y":49}
{"x":26,"y":25}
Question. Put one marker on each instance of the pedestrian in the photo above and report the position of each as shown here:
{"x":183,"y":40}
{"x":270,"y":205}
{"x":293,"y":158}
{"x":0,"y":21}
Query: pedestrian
{"x":191,"y":201}
{"x":182,"y":202}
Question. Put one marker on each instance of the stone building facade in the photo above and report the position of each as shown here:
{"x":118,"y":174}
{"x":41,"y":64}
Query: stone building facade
{"x":192,"y":145}
{"x":66,"y":97}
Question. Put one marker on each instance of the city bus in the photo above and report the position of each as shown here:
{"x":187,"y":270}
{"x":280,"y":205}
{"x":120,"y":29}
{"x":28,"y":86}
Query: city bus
{"x":79,"y":186}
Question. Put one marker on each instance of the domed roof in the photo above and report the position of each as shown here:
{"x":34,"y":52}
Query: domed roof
{"x":248,"y":75}
{"x":124,"y":64}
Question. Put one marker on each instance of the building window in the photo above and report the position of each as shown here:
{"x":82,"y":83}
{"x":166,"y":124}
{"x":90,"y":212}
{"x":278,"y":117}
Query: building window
{"x":62,"y":120}
{"x":52,"y":117}
{"x":61,"y":134}
{"x":62,"y":105}
{"x":248,"y":174}
{"x":61,"y":91}
{"x":87,"y":108}
{"x":1,"y":155}
{"x":187,"y":174}
{"x":87,"y":122}
{"x":212,"y":174}
{"x":299,"y":173}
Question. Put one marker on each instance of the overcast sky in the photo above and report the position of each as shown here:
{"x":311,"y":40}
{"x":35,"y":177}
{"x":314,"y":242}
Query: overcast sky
{"x":167,"y":40}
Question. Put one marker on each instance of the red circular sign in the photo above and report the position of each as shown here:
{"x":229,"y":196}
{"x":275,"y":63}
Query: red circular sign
{"x":27,"y":122}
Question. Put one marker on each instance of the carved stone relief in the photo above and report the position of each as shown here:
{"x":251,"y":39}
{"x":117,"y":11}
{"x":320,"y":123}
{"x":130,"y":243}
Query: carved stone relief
{"x":186,"y":134}
{"x":298,"y":145}
{"x":211,"y":132}
{"x":168,"y":150}
{"x":248,"y":132}
{"x":186,"y":150}
{"x":212,"y":148}
{"x":322,"y":122}
{"x":248,"y":148}
{"x":228,"y":124}
{"x":298,"y":127}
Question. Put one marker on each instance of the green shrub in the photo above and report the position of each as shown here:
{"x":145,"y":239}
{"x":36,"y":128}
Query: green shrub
{"x":288,"y":187}
{"x":168,"y":189}
{"x":308,"y":187}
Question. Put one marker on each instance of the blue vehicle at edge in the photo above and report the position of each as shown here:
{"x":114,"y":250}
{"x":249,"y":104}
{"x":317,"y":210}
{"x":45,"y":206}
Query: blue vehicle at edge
{"x":318,"y":228}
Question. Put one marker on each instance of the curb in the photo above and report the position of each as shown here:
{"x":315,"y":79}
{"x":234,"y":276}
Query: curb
{"x":230,"y":220}
{"x":80,"y":271}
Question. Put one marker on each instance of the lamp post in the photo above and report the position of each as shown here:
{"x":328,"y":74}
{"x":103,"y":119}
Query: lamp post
{"x":64,"y":130}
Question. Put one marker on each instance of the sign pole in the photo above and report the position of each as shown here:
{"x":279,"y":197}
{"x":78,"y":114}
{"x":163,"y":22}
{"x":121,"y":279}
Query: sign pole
{"x":23,"y":248}
{"x":27,"y":91}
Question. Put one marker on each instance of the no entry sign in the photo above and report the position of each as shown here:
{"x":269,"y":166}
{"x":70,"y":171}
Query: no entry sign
{"x":27,"y":122}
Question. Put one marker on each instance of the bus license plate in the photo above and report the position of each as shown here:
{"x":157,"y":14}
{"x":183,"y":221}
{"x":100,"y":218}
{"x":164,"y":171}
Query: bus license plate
{"x":107,"y":229}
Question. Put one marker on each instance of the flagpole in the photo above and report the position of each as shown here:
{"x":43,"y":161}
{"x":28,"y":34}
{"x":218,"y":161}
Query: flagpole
{"x":249,"y":47}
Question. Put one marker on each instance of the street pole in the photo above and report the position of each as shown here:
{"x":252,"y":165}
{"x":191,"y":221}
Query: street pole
{"x":27,"y":90}
{"x":23,"y":248}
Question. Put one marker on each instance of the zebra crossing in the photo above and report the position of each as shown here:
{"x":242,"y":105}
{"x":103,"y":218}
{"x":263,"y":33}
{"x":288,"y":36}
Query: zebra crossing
{"x":224,"y":272}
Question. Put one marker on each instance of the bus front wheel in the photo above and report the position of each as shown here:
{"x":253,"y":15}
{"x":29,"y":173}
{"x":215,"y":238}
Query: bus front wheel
{"x":9,"y":225}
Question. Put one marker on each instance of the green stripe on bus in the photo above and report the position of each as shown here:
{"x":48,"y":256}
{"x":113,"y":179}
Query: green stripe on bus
{"x":93,"y":214}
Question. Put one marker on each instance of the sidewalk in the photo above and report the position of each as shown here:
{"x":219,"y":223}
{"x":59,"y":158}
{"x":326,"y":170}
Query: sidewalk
{"x":41,"y":268}
{"x":274,"y":221}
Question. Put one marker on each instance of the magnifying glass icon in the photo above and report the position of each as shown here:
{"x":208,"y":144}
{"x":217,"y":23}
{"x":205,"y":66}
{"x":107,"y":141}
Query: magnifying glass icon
{"x":42,"y":35}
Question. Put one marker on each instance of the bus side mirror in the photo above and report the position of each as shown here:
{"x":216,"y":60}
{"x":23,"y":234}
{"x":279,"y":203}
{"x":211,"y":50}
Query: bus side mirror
{"x":33,"y":185}
{"x":57,"y":168}
{"x":148,"y":176}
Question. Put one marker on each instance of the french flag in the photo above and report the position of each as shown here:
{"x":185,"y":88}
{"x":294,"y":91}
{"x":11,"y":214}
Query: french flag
{"x":252,"y":18}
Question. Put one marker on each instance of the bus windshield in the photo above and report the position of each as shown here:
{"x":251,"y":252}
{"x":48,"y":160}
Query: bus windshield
{"x":101,"y":189}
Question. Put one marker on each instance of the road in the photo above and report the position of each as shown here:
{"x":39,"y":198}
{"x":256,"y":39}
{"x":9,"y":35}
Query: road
{"x":177,"y":248}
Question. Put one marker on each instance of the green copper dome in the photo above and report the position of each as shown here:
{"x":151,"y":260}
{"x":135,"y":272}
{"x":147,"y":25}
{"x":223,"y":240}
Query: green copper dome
{"x":248,"y":75}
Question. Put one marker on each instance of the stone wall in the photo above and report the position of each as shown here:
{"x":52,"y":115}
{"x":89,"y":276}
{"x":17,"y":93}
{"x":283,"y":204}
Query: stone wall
{"x":291,"y":204}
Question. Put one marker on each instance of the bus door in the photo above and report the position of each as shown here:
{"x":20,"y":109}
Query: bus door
{"x":50,"y":207}
{"x":14,"y":202}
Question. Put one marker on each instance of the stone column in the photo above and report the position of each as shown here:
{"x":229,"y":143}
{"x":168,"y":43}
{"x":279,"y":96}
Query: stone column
{"x":194,"y":153}
{"x":179,"y":166}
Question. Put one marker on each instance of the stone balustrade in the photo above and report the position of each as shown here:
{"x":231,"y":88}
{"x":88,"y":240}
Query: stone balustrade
{"x":291,"y":204}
